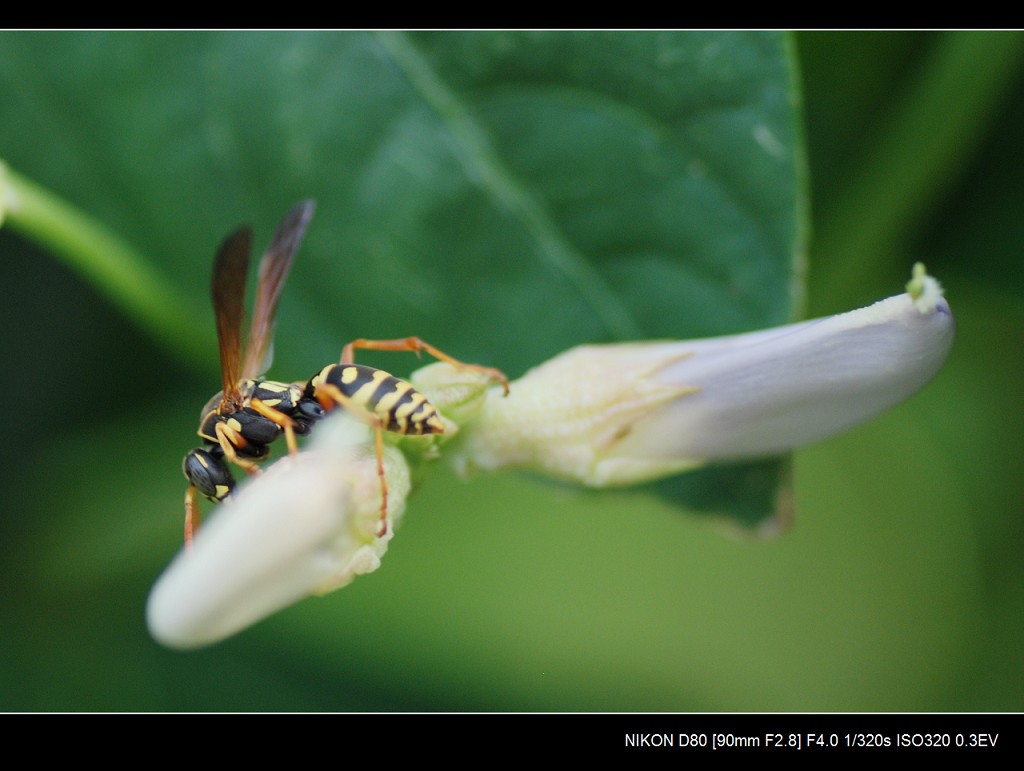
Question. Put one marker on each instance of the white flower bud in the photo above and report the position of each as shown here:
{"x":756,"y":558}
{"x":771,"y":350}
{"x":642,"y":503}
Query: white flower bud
{"x":621,"y":414}
{"x":307,"y":525}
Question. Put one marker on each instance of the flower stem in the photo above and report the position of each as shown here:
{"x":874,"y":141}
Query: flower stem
{"x":115,"y":269}
{"x":920,"y":148}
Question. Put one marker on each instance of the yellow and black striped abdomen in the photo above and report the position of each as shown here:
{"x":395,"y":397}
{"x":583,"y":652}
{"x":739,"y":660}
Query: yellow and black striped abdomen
{"x":399,"y":407}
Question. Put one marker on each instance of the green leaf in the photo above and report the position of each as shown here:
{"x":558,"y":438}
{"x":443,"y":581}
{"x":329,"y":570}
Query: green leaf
{"x":504,"y":195}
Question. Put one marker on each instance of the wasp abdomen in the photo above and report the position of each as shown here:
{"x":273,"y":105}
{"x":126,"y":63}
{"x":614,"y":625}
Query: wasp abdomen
{"x":396,"y":404}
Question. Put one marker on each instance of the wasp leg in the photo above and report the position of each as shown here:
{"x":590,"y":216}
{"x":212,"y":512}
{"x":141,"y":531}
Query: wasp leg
{"x":375,"y":423}
{"x":415,"y":345}
{"x":191,"y":515}
{"x":281,"y":419}
{"x":229,"y":439}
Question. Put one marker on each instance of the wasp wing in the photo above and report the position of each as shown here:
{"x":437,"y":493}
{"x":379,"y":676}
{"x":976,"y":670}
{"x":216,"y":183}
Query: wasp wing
{"x":274,"y":267}
{"x":228,"y":290}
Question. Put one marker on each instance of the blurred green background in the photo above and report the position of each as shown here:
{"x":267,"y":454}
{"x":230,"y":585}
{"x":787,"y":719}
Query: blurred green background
{"x":505,"y":195}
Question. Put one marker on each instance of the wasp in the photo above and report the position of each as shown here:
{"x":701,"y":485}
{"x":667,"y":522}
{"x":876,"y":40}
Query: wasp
{"x":250,"y":412}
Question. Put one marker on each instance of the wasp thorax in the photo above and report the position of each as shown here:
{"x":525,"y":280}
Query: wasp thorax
{"x":210,"y":407}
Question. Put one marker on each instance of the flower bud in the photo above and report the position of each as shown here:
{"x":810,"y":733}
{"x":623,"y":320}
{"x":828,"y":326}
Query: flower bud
{"x":307,"y":525}
{"x":626,"y":413}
